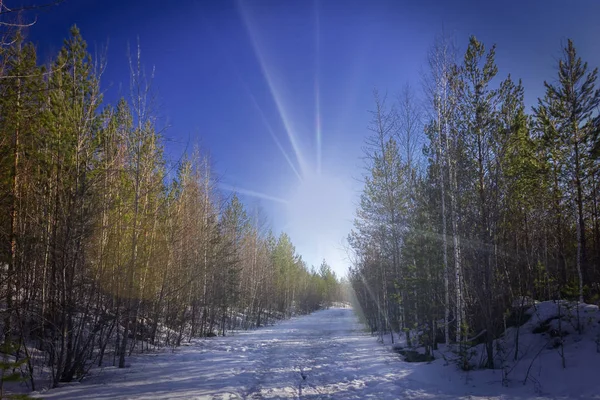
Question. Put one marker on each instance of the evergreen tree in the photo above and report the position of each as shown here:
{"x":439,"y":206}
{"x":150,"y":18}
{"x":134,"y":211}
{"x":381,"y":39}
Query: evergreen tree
{"x":566,"y":112}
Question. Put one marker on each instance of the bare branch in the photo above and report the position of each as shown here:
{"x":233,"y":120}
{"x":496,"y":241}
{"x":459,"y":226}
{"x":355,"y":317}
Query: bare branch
{"x":27,"y":8}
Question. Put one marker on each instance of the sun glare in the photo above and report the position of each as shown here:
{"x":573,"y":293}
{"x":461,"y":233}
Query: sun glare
{"x":314,"y":203}
{"x":270,"y":78}
{"x":317,"y":88}
{"x":319,"y":206}
{"x":318,"y":212}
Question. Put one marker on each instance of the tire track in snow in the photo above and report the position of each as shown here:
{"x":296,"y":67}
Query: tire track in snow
{"x":338,"y":359}
{"x":302,"y":362}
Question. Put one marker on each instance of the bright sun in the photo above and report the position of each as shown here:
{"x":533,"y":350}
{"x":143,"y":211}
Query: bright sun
{"x":314,"y":204}
{"x":319,"y":209}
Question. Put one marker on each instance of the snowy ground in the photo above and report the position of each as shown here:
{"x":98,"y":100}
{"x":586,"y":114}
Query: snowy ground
{"x":329,"y":347}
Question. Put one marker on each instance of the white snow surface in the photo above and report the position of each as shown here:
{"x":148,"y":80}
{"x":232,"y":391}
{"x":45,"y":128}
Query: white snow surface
{"x":325,"y":355}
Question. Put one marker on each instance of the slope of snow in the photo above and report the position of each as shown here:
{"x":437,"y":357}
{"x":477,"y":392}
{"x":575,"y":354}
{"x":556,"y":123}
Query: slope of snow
{"x":325,"y":355}
{"x":574,"y":325}
{"x":529,"y":358}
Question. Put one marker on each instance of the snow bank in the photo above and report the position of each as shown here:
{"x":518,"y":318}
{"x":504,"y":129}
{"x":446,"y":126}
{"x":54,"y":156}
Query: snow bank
{"x":529,"y":358}
{"x":328,"y":354}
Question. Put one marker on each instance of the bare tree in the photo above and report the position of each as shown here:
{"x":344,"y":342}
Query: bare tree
{"x":438,"y":89}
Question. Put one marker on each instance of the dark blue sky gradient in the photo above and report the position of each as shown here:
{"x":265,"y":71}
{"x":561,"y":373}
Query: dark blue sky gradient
{"x":208,"y":72}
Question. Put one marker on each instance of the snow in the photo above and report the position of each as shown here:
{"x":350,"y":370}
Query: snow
{"x":327,"y":355}
{"x":537,"y":371}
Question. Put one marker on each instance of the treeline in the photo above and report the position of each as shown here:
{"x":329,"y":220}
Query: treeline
{"x":105,"y":248}
{"x":501,"y":204}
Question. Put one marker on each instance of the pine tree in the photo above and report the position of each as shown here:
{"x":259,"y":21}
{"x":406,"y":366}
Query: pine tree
{"x":73,"y":126}
{"x":479,"y":132}
{"x":569,"y":106}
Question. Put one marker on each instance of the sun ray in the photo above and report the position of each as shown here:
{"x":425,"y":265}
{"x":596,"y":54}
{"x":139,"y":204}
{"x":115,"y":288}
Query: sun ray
{"x":252,"y":193}
{"x":275,"y":92}
{"x":264,"y":120}
{"x":317,"y":87}
{"x":273,"y":136}
{"x":318,"y":125}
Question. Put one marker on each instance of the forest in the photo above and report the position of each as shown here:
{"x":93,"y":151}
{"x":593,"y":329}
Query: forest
{"x":474,"y":205}
{"x":107,"y":247}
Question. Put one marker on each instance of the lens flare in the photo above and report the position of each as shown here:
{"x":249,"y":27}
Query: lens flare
{"x":319,"y":207}
{"x":269,"y":76}
{"x":252,"y":193}
{"x":273,"y":136}
{"x":227,"y":57}
{"x":317,"y":87}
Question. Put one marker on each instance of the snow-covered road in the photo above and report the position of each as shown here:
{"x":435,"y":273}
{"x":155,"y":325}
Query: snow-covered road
{"x":330,"y":348}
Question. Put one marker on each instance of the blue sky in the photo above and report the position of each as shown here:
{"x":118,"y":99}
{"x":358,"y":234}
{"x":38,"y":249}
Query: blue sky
{"x":248,"y":80}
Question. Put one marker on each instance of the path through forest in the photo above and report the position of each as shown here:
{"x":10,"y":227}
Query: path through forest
{"x":325,"y":355}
